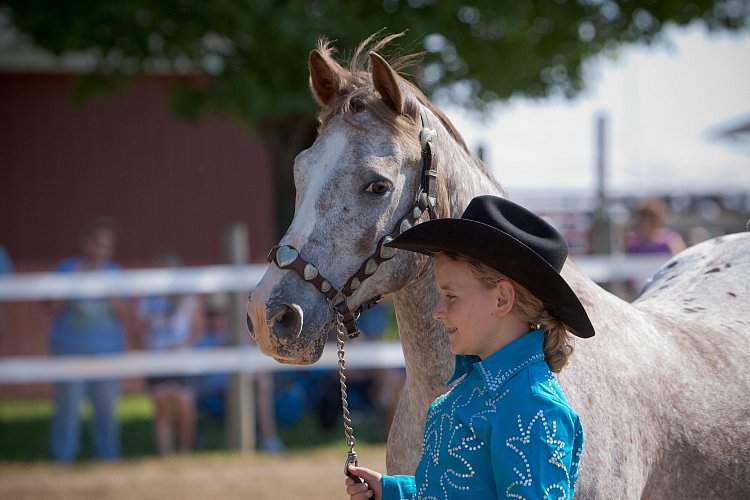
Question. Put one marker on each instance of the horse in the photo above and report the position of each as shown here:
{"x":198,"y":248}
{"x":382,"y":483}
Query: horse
{"x":662,"y":389}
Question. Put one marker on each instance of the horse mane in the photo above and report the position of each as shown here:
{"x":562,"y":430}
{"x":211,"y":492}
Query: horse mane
{"x":361,"y":93}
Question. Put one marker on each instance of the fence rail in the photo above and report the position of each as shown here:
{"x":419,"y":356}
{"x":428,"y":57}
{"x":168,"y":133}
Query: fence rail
{"x":211,"y":279}
{"x":130,"y":282}
{"x":240,"y":278}
{"x":242,"y":359}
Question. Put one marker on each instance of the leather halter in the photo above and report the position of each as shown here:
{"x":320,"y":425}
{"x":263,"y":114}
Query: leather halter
{"x":288,"y":257}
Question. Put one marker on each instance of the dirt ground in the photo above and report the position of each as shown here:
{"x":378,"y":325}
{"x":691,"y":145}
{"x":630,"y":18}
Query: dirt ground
{"x":316,"y":475}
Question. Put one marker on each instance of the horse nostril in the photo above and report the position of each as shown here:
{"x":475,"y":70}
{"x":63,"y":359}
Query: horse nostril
{"x":286,"y":320}
{"x":250,"y":325}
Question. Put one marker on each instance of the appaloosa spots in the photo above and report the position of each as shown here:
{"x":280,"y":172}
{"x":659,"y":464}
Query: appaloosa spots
{"x":713,"y":270}
{"x":733,"y":295}
{"x":693,"y":309}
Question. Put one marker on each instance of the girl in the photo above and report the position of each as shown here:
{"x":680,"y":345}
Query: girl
{"x":505,"y":430}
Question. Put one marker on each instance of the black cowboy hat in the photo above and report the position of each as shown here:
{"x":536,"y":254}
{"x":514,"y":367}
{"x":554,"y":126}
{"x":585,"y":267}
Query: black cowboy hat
{"x":513,"y":241}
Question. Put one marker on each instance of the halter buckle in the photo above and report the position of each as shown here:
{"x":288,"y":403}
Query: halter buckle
{"x":346,"y":318}
{"x":337,"y":300}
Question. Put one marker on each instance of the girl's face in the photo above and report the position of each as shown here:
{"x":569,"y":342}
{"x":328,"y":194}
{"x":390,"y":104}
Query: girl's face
{"x":468,"y":308}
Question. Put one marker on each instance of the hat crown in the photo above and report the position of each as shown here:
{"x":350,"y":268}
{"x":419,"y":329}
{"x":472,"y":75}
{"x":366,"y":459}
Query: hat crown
{"x":513,"y":241}
{"x":522,"y":225}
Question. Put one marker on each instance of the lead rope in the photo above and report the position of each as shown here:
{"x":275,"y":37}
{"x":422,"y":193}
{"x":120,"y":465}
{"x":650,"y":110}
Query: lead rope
{"x":351,"y":458}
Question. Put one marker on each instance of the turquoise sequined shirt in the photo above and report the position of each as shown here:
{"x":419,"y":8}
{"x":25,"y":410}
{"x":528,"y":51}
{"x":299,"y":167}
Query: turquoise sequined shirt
{"x":504,"y":431}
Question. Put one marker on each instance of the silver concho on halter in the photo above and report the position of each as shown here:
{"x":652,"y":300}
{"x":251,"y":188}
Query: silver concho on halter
{"x":427,"y":135}
{"x":387,"y":252}
{"x":310,"y":272}
{"x":285,"y":256}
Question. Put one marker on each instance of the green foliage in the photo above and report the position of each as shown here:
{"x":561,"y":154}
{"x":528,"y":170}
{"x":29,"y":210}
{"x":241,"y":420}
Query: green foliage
{"x":247,"y":57}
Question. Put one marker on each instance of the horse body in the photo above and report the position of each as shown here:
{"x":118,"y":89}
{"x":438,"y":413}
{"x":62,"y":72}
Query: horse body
{"x":662,"y":387}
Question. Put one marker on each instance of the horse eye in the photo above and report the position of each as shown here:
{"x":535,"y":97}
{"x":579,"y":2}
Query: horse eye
{"x":378,"y":187}
{"x":357,"y":105}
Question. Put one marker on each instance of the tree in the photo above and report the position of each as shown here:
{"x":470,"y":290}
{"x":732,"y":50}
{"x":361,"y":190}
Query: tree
{"x":247,"y":58}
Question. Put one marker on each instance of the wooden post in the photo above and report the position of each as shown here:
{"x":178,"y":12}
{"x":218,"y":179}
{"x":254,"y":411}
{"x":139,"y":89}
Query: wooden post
{"x":603,"y":235}
{"x":601,"y":238}
{"x":240,"y":397}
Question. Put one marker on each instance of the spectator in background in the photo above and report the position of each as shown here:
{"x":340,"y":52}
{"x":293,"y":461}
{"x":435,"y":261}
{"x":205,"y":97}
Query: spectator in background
{"x":88,"y":327}
{"x":649,"y":234}
{"x":170,"y":322}
{"x":6,"y":267}
{"x":386,"y":382}
{"x":211,"y":388}
{"x":380,"y":388}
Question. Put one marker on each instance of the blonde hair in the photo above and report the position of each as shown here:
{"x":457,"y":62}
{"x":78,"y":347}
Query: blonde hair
{"x":558,"y":343}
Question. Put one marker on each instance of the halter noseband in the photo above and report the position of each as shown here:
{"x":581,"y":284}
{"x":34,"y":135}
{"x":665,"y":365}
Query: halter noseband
{"x":288,"y":257}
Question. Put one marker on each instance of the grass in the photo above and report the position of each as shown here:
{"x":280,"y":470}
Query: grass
{"x":24,"y":430}
{"x":24,"y":424}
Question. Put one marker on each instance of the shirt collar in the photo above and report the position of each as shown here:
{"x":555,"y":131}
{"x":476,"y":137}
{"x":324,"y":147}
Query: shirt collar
{"x":504,"y":363}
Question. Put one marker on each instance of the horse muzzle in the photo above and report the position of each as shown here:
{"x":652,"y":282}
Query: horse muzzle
{"x":282,"y":331}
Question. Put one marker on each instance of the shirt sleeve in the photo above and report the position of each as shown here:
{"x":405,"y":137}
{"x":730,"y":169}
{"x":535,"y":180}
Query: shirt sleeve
{"x":398,"y":487}
{"x":536,"y":459}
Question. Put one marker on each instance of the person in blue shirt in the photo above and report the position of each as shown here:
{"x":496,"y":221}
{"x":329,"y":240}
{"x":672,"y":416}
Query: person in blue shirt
{"x":6,"y":267}
{"x":505,"y":429}
{"x":90,"y":326}
{"x":171,"y":322}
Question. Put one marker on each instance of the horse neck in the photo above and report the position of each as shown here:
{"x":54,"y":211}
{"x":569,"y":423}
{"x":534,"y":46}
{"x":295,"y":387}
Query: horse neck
{"x":426,"y":349}
{"x":423,"y":340}
{"x":462,"y":175}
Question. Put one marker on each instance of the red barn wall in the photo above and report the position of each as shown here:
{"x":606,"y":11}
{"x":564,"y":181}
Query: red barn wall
{"x":171,"y":184}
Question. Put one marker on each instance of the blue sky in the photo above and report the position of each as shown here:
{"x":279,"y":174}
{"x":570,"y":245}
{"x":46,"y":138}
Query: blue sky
{"x":661,"y":103}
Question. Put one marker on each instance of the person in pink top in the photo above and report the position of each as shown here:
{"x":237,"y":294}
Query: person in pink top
{"x":649,"y":233}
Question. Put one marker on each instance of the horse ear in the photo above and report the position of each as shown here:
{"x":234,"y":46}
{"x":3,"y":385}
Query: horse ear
{"x":325,"y":78}
{"x":386,"y":82}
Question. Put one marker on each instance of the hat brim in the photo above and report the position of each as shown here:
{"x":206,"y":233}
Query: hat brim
{"x":505,"y":254}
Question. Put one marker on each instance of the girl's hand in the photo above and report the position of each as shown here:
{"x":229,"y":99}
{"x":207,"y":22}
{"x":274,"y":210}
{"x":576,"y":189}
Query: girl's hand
{"x":370,"y":488}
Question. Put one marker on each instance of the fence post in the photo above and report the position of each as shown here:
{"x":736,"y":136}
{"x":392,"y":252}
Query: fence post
{"x":240,"y":397}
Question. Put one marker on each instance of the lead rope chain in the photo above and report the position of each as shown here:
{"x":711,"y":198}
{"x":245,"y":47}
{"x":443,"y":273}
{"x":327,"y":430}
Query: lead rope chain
{"x":351,"y":458}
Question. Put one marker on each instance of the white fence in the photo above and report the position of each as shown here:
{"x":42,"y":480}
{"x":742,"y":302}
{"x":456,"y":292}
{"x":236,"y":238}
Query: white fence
{"x":211,"y":279}
{"x":243,"y":359}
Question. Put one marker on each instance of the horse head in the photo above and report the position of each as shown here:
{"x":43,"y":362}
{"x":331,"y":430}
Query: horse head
{"x":355,"y":185}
